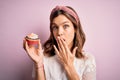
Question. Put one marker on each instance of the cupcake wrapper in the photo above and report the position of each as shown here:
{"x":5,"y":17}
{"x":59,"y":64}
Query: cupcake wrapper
{"x":32,"y":42}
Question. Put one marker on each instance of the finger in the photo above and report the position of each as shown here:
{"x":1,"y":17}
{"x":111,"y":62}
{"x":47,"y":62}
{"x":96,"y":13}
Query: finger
{"x":39,"y":45}
{"x":74,"y":50}
{"x":40,"y":51}
{"x":58,"y":42}
{"x":61,"y":45}
{"x":56,"y":50}
{"x":65,"y":50}
{"x":65,"y":45}
{"x":26,"y":46}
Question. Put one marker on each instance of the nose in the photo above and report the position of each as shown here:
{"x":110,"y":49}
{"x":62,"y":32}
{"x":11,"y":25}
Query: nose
{"x":60,"y":31}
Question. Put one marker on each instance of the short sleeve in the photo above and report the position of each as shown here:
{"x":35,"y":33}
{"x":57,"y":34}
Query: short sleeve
{"x":90,"y":69}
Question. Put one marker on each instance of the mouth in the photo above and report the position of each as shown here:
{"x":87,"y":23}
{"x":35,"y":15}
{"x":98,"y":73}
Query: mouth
{"x":61,"y":38}
{"x":64,"y":39}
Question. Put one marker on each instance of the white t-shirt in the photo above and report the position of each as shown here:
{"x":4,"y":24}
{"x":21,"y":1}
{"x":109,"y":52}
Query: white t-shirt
{"x":86,"y":68}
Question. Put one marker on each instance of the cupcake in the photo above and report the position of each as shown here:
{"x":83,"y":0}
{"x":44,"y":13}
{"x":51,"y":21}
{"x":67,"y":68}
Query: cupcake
{"x":32,"y":39}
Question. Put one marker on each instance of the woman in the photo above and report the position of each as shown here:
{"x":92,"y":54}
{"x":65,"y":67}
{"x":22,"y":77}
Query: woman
{"x":63,"y":57}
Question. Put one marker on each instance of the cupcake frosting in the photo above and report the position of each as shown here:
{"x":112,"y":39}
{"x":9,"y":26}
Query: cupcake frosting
{"x":32,"y":36}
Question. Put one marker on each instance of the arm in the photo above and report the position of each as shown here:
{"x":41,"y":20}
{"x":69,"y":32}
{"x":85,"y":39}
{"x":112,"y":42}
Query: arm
{"x":67,"y":59}
{"x":89,"y":72}
{"x":71,"y":73}
{"x":39,"y":71}
{"x":36,"y":54}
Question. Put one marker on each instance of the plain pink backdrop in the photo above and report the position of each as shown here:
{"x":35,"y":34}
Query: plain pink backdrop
{"x":100,"y":21}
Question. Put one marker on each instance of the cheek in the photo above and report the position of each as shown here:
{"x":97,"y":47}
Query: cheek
{"x":70,"y":36}
{"x":55,"y":35}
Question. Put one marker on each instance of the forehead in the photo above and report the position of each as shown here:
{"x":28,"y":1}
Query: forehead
{"x":61,"y":19}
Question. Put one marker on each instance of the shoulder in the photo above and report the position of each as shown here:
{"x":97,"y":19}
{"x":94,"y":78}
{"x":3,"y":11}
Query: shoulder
{"x":89,"y":58}
{"x":90,"y":67}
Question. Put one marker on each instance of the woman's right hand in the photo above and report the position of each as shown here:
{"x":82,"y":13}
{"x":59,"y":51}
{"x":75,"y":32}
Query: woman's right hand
{"x":36,"y":54}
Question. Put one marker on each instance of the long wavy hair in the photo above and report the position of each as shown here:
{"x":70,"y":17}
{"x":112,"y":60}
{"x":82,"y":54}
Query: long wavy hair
{"x":79,"y":37}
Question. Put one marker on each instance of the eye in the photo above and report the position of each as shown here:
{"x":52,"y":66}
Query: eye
{"x":65,"y":26}
{"x":54,"y":27}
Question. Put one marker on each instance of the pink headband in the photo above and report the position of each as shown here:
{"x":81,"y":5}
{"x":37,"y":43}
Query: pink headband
{"x":66,"y":9}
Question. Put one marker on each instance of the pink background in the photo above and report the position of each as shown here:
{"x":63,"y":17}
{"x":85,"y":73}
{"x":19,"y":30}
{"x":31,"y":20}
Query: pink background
{"x":100,"y":21}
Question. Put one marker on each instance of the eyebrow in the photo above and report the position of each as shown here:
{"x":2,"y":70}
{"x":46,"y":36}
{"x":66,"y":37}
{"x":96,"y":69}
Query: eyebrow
{"x":60,"y":23}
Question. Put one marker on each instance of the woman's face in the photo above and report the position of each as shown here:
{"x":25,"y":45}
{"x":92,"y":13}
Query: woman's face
{"x":63,"y":27}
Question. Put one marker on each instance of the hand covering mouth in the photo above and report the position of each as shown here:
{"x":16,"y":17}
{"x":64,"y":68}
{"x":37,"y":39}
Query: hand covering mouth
{"x":61,"y":38}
